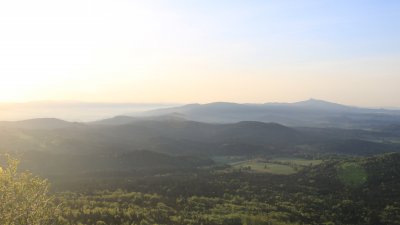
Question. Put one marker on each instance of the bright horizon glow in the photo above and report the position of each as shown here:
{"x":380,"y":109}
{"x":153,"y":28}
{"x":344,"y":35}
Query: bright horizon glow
{"x":200,"y":51}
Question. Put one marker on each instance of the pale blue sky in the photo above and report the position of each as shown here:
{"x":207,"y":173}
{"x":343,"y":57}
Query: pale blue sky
{"x":201,"y":51}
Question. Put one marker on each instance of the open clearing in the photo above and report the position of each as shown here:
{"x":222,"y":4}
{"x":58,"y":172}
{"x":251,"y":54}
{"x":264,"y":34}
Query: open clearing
{"x":281,"y":165}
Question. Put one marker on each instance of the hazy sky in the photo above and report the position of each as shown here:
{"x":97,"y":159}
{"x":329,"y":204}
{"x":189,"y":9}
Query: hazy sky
{"x":201,"y":51}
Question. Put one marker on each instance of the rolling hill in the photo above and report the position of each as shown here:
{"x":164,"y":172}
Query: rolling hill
{"x":167,"y":142}
{"x":181,"y":137}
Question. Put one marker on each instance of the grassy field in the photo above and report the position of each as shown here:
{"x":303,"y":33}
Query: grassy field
{"x":283,"y":166}
{"x":352,"y":174}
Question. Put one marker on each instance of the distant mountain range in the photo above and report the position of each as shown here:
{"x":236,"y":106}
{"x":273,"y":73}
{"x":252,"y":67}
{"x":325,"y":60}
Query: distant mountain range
{"x":310,"y":113}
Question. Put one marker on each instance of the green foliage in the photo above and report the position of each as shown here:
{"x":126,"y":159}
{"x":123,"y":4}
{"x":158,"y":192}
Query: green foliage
{"x":120,"y":207}
{"x":313,"y":196}
{"x":391,"y":215}
{"x":23,"y":197}
{"x":352,"y":174}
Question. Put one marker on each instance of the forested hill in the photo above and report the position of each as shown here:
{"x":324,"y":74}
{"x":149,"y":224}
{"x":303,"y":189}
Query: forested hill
{"x":49,"y":164}
{"x":181,"y":137}
{"x":357,"y":191}
{"x":52,"y":145}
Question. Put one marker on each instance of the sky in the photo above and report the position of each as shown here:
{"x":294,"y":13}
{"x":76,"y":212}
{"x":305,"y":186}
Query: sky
{"x":181,"y":51}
